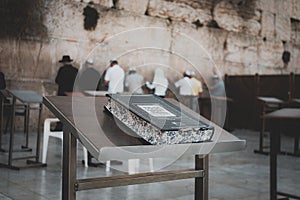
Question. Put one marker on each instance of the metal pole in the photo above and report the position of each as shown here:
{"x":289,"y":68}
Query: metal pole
{"x":12,"y":130}
{"x":274,"y":140}
{"x":69,"y":165}
{"x":38,"y":139}
{"x":201,"y":183}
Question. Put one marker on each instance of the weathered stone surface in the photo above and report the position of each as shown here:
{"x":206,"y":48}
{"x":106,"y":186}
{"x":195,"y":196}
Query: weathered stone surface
{"x":252,"y":27}
{"x":105,"y":3}
{"x":295,"y":32}
{"x":296,"y":9}
{"x":200,"y":47}
{"x":180,"y":11}
{"x":282,"y":27}
{"x":227,"y":17}
{"x":293,"y":65}
{"x":268,"y":25}
{"x":284,"y":7}
{"x":241,"y":49}
{"x":266,"y":5}
{"x":135,"y":6}
{"x":206,"y":42}
{"x":269,"y":54}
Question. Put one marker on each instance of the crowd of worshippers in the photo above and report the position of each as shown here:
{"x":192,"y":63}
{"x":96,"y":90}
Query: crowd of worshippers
{"x":115,"y":80}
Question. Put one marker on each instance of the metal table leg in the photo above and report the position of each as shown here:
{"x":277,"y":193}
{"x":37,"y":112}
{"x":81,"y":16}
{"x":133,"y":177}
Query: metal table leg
{"x":1,"y":122}
{"x":274,"y":142}
{"x":201,"y":183}
{"x":69,"y":165}
{"x":26,"y":125}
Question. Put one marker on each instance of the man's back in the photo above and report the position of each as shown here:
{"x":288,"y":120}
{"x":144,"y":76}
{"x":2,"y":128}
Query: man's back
{"x":65,"y":79}
{"x":196,"y":86}
{"x":134,"y":82}
{"x":89,"y":79}
{"x":115,"y":76}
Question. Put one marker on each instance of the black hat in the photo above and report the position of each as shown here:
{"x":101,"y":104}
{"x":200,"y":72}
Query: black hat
{"x":66,"y":58}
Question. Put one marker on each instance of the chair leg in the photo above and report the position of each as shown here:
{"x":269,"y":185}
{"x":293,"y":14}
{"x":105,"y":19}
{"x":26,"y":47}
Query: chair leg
{"x":85,"y":156}
{"x":45,"y":147}
{"x":151,"y":166}
{"x":107,"y":169}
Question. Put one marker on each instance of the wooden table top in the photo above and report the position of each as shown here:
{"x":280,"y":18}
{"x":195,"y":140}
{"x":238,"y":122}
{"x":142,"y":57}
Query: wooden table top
{"x":107,"y":139}
{"x":273,"y":100}
{"x":284,"y":113}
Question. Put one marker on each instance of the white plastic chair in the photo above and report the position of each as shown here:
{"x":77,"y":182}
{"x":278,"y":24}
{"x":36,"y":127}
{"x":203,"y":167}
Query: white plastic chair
{"x":57,"y":134}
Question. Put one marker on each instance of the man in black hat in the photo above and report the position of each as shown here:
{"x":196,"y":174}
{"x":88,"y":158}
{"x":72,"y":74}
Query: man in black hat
{"x":66,"y":76}
{"x":65,"y":80}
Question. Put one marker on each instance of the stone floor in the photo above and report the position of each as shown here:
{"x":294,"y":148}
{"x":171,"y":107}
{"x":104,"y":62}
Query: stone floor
{"x":236,"y":175}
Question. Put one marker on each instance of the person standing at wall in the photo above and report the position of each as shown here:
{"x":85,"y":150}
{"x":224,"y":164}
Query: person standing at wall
{"x":159,"y":84}
{"x":65,"y":79}
{"x":89,"y":78}
{"x":197,"y":91}
{"x":114,"y":77}
{"x":185,"y":89}
{"x":2,"y":81}
{"x":134,"y":82}
{"x":218,"y":88}
{"x":66,"y":76}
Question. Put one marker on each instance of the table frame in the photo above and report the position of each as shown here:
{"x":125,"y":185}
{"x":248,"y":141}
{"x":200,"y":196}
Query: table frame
{"x":276,"y":116}
{"x":27,"y":104}
{"x":70,"y":184}
{"x":265,"y":101}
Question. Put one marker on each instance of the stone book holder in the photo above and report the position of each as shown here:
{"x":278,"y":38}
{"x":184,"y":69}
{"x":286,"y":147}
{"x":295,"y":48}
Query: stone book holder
{"x":156,"y":120}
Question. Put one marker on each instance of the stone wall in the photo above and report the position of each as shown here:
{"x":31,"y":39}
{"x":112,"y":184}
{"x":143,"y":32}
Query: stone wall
{"x":207,"y":36}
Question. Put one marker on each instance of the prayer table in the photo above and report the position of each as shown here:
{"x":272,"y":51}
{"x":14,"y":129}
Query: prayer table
{"x":85,"y":119}
{"x":278,"y":116}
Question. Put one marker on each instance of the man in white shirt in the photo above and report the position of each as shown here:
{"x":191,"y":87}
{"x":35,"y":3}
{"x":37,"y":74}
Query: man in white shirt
{"x":185,"y":84}
{"x":185,"y":89}
{"x":114,"y":77}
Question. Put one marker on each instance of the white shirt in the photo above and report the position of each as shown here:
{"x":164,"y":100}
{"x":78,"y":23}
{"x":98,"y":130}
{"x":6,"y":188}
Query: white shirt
{"x":185,"y":86}
{"x":115,"y":75}
{"x":134,"y":82}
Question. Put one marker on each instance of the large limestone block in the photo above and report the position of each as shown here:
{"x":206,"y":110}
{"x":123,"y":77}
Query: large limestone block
{"x":200,"y":47}
{"x":284,"y":7}
{"x":241,"y":49}
{"x":266,"y":5}
{"x":270,"y":53}
{"x":268,"y":25}
{"x":227,"y":17}
{"x":203,"y":42}
{"x":182,"y":10}
{"x":296,"y":9}
{"x":66,"y":21}
{"x":105,"y":3}
{"x":135,"y":6}
{"x":283,"y":27}
{"x":123,"y":40}
{"x":293,"y":65}
{"x":252,"y":27}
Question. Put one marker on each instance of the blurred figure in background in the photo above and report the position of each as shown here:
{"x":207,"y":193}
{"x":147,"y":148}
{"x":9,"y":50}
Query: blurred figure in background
{"x":218,"y":89}
{"x":197,"y":91}
{"x":185,"y":89}
{"x":159,"y":84}
{"x":89,"y":78}
{"x":134,"y":81}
